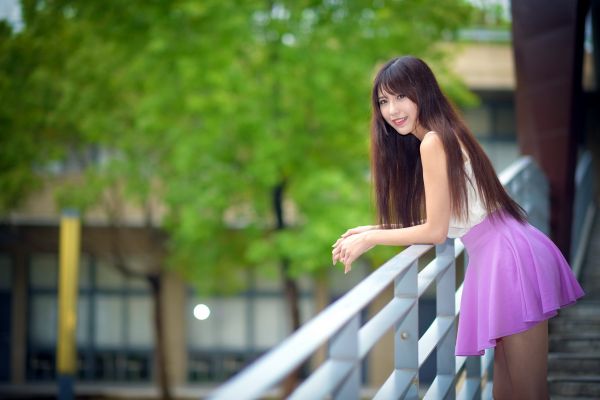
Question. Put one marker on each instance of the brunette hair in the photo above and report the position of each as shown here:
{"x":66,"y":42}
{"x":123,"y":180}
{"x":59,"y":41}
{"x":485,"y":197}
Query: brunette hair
{"x":396,"y":160}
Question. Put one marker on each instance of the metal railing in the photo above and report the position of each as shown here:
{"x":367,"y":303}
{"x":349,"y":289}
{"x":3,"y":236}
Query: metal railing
{"x":529,"y":187}
{"x":584,"y":209}
{"x":339,"y":376}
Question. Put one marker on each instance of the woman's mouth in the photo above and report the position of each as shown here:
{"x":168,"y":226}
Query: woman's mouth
{"x":399,"y":121}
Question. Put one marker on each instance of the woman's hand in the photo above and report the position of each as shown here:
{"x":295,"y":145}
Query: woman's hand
{"x":348,"y":248}
{"x":354,"y":231}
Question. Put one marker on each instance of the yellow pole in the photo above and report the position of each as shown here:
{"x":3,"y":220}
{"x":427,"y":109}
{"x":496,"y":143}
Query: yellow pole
{"x":70,"y":232}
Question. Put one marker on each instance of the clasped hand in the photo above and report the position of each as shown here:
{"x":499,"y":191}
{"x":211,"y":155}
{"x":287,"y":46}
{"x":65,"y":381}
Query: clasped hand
{"x":351,"y":245}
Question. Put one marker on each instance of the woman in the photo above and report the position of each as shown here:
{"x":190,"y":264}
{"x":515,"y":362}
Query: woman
{"x":432,"y":181}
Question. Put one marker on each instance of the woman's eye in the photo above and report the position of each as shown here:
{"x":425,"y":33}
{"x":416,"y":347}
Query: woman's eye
{"x":382,"y":102}
{"x":400,"y":96}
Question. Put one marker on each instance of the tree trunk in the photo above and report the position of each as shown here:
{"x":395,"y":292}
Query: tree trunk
{"x":292,"y":300}
{"x":159,"y":345}
{"x":292,"y":297}
{"x":321,"y":285}
{"x":289,"y":285}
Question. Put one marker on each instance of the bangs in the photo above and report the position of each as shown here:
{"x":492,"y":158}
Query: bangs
{"x":393,"y":80}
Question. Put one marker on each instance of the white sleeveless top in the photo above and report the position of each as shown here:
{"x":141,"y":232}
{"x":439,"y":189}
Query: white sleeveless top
{"x":476,"y":212}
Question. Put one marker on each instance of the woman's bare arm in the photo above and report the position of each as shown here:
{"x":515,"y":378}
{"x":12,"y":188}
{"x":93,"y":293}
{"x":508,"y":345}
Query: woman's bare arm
{"x":437,"y":201}
{"x":437,"y":205}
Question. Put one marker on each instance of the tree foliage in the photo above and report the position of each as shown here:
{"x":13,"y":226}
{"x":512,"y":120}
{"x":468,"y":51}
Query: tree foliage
{"x":206,"y":107}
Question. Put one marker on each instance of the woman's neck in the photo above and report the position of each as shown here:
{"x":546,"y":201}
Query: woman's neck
{"x":420,"y":132}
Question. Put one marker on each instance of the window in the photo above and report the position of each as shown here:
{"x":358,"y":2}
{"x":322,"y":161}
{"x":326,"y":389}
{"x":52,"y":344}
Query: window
{"x":239,"y":329}
{"x":114,"y":330}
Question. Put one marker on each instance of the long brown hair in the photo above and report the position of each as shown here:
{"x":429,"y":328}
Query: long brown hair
{"x":396,"y":160}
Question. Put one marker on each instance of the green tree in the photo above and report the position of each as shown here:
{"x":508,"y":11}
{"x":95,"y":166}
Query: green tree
{"x":248,"y":122}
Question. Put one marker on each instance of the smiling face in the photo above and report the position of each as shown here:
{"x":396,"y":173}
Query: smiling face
{"x":400,"y":112}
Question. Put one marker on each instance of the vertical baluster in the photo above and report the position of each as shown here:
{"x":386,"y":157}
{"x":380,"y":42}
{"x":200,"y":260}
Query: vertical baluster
{"x":445,"y":291}
{"x":473,"y":363}
{"x":488,"y":360}
{"x":544,"y":201}
{"x":344,"y":347}
{"x":406,"y":335}
{"x":523,"y":179}
{"x":473,"y":382}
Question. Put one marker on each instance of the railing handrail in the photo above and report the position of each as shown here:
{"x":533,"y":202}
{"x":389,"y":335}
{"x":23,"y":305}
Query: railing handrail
{"x":282,"y":360}
{"x":350,"y":342}
{"x":514,"y":169}
{"x":534,"y":199}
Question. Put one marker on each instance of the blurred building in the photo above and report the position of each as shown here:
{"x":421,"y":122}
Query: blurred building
{"x":115,"y":327}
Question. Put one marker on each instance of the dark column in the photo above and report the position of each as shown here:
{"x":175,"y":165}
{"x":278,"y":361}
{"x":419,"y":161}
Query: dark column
{"x":595,"y":10}
{"x":593,"y":99}
{"x":548,"y":49}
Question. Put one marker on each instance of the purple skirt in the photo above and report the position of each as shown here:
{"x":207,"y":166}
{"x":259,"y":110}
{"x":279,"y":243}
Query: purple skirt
{"x":516,"y":278}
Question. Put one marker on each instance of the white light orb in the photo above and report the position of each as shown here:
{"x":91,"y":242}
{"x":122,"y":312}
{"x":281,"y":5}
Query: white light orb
{"x":201,"y":312}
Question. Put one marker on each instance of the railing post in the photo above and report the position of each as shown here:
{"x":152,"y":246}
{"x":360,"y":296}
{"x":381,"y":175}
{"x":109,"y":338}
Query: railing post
{"x":406,"y":335}
{"x":473,"y":368}
{"x":489,"y":371}
{"x":473,"y":363}
{"x":344,"y":347}
{"x":445,"y":291}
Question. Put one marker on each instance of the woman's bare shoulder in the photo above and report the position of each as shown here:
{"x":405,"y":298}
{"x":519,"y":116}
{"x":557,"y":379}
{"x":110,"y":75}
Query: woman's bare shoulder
{"x":431,"y":144}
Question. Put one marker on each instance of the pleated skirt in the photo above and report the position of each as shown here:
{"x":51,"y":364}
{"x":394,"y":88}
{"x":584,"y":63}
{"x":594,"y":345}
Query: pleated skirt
{"x":516,"y":277}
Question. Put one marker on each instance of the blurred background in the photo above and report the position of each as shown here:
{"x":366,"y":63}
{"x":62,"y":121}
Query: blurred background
{"x":213,"y":150}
